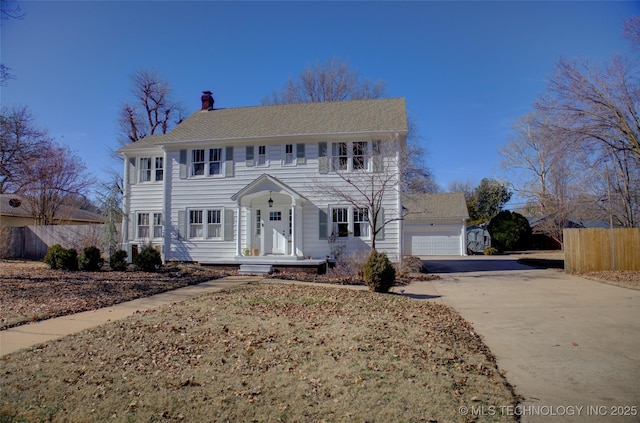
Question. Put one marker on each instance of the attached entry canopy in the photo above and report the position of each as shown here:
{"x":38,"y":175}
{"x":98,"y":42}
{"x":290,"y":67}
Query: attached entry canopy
{"x":272,"y":217}
{"x":267,"y":183}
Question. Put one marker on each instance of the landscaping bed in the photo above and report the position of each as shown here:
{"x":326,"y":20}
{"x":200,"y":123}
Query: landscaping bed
{"x":30,"y":291}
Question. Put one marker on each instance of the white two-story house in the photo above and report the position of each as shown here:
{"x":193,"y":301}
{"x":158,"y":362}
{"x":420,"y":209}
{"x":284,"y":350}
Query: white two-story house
{"x":230,"y":185}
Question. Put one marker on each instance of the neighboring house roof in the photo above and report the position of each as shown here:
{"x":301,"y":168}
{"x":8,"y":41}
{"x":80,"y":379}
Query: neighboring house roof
{"x":450,"y":205}
{"x":285,"y":120}
{"x":15,"y":205}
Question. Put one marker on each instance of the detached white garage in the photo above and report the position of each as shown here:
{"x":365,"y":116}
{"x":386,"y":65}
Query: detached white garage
{"x":434,"y":224}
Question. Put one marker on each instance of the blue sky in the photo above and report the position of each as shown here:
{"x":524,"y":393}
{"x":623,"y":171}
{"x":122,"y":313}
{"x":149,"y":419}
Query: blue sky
{"x":466,"y":69}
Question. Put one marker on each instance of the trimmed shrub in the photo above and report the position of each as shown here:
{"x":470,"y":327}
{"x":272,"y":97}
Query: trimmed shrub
{"x":58,"y":257}
{"x":379,"y":273}
{"x":90,"y":259}
{"x":490,"y":251}
{"x":118,"y":260}
{"x":148,"y":260}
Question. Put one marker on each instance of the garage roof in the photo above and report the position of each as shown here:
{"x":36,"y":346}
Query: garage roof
{"x":449,"y":205}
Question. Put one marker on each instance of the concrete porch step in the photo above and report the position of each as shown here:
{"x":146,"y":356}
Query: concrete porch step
{"x":255,"y":269}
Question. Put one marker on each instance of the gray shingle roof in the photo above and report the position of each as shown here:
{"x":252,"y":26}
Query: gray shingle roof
{"x":435,"y":206}
{"x":299,"y":119}
{"x":22,"y":208}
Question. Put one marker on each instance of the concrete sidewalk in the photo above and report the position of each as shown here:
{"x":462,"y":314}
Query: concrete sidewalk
{"x":19,"y":337}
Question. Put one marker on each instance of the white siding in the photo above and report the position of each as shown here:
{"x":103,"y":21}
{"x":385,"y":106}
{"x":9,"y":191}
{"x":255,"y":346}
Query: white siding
{"x":214,"y":192}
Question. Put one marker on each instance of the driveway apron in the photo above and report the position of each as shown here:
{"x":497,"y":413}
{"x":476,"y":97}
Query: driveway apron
{"x":569,"y":345}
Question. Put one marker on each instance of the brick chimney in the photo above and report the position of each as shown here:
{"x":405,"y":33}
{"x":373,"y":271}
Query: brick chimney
{"x":207,"y":100}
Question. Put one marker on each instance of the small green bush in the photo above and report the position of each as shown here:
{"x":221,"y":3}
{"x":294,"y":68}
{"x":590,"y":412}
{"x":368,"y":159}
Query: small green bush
{"x":148,"y":260}
{"x":90,"y":259}
{"x":58,"y":257}
{"x":490,"y":251}
{"x":118,"y":261}
{"x":379,"y":273}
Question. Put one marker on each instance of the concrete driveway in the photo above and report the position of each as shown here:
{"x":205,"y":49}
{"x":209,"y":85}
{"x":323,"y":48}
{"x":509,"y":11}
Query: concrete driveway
{"x":569,"y":345}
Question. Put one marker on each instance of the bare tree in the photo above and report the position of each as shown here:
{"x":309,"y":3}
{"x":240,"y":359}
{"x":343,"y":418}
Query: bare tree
{"x":58,"y":178}
{"x":20,"y":140}
{"x":152,"y":109}
{"x":631,"y":30}
{"x":371,"y":175}
{"x":8,"y":10}
{"x":590,"y":103}
{"x":465,"y":187}
{"x":110,"y":204}
{"x":334,"y":80}
{"x":415,"y":177}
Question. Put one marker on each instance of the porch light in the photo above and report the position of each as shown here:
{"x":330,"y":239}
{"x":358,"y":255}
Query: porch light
{"x":270,"y":200}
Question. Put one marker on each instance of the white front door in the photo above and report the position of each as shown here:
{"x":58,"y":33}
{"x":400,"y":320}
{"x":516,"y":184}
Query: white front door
{"x":275,"y":232}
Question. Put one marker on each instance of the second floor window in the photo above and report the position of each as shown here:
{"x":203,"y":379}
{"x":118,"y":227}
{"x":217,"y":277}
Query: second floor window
{"x":145,"y":169}
{"x":288,"y":154}
{"x":159,"y":168}
{"x":197,"y":162}
{"x":359,"y":157}
{"x":262,"y":155}
{"x":339,"y":156}
{"x":215,"y":161}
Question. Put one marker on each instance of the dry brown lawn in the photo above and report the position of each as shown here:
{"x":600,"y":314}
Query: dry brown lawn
{"x":269,"y":352}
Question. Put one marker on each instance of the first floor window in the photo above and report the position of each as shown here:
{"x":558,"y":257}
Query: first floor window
{"x":195,"y":224}
{"x":157,"y":225}
{"x":145,"y":169}
{"x":258,"y":222}
{"x":214,"y":224}
{"x":361,"y":222}
{"x":341,"y":222}
{"x":143,"y":225}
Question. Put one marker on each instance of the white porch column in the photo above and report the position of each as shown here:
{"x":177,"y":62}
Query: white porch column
{"x":293,"y":230}
{"x":238,"y":226}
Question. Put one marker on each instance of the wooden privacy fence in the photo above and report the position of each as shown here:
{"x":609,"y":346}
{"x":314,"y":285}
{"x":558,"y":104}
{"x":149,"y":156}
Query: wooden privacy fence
{"x":595,"y":250}
{"x":32,"y":242}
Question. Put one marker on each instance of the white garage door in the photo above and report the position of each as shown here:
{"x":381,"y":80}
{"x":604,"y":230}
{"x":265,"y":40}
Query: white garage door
{"x":443,"y":241}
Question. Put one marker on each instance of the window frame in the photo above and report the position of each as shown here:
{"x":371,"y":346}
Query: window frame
{"x":158,"y":171}
{"x":340,"y":221}
{"x":220,"y":162}
{"x":156,"y":225}
{"x":212,"y":213}
{"x":206,"y":216}
{"x":351,"y":156}
{"x":140,"y":216}
{"x":144,"y":169}
{"x":200,"y":163}
{"x":361,"y":221}
{"x":289,"y":158}
{"x":262,"y":158}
